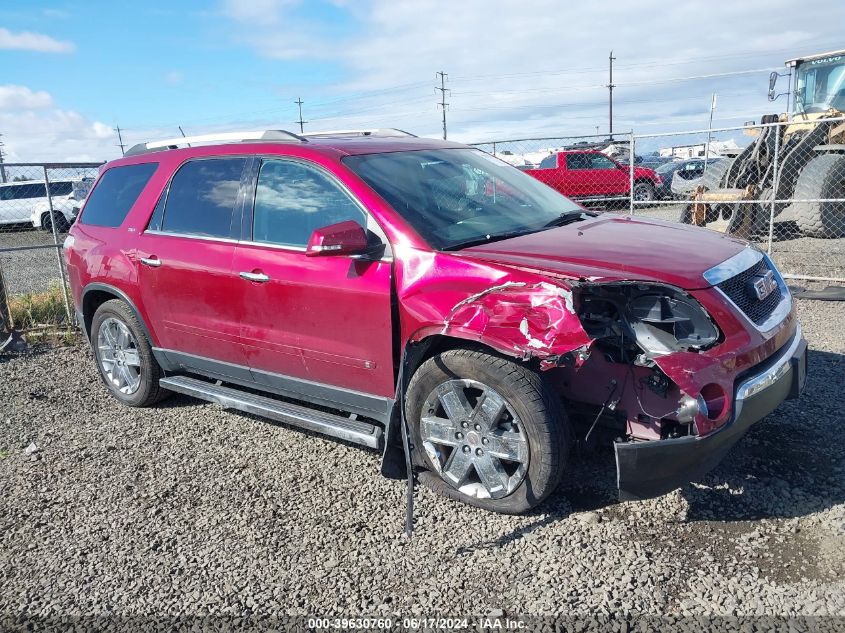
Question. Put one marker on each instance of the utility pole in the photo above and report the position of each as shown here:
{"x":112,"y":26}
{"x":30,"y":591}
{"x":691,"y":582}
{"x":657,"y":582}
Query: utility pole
{"x":2,"y":166}
{"x":302,"y":123}
{"x":120,"y":139}
{"x":610,"y":87}
{"x":443,"y":103}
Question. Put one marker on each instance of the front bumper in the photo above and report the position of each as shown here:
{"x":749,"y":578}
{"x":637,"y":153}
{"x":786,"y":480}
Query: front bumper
{"x":650,"y":469}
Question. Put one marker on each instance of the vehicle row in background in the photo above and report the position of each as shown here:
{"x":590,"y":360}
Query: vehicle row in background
{"x":27,"y":202}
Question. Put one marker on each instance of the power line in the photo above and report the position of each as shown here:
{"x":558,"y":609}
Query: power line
{"x":302,"y":123}
{"x":120,"y":144}
{"x":443,"y":103}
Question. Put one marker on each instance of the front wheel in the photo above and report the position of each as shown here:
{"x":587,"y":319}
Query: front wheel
{"x":643,"y":192}
{"x":488,"y":430}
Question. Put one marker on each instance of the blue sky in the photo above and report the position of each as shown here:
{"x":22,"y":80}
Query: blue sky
{"x":72,"y":71}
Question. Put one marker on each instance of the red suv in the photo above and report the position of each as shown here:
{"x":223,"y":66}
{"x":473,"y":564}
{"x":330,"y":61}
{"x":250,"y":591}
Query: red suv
{"x":360,"y":284}
{"x":587,"y":175}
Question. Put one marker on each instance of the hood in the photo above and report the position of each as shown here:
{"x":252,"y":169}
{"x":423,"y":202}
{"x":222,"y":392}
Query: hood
{"x":645,"y":172}
{"x":615,"y":247}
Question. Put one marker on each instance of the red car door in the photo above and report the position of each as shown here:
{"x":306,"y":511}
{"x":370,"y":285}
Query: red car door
{"x":323,"y":319}
{"x":184,"y":261}
{"x":607,"y":178}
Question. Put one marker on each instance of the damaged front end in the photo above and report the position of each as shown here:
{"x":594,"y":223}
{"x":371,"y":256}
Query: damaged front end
{"x":672,"y":410}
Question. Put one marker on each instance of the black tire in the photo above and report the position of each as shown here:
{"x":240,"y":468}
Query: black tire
{"x":61,"y":222}
{"x":540,"y":415}
{"x":715,"y":172}
{"x":148,"y":391}
{"x":646,"y":192}
{"x":822,"y":177}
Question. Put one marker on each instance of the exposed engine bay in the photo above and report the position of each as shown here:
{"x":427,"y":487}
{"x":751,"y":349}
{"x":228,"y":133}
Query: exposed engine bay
{"x":632,"y":326}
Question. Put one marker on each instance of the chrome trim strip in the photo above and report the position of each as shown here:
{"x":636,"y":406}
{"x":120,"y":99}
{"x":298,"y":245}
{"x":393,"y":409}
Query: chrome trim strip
{"x":776,"y":370}
{"x":731,"y":267}
{"x":209,"y":238}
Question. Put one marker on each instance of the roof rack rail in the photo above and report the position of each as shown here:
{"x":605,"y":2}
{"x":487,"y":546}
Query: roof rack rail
{"x":381,"y":131}
{"x":217,"y":137}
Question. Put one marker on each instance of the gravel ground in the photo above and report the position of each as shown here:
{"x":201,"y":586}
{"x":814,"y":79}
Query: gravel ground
{"x":185,"y":509}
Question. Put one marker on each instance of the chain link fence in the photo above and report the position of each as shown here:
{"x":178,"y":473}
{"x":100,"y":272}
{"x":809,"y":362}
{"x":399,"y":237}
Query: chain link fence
{"x":38,"y":203}
{"x":778,"y":184}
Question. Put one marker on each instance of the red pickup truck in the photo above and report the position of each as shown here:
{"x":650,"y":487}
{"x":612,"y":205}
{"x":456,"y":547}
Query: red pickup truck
{"x":591,"y":175}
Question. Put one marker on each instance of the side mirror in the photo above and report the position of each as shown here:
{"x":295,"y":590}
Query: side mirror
{"x":343,"y":238}
{"x":773,"y":79}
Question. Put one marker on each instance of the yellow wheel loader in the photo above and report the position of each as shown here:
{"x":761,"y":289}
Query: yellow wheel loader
{"x":810,"y":164}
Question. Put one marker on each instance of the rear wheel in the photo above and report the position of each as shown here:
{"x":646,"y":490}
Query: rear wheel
{"x":124,"y":356}
{"x":492,"y":434}
{"x":823,"y":177}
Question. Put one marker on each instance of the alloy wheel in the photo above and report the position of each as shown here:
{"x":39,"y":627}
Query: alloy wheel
{"x":118,"y":355}
{"x":474,"y":439}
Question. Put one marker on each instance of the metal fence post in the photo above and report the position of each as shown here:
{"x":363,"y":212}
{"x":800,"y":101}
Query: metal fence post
{"x":59,"y":261}
{"x":631,"y":156}
{"x":775,"y":183}
{"x":5,"y":313}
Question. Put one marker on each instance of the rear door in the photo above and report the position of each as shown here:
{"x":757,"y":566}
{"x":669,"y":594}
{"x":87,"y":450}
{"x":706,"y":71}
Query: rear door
{"x":323,"y":319}
{"x":184,"y":262}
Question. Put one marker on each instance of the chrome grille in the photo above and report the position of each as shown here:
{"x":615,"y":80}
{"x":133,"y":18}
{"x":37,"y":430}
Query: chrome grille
{"x":736,"y":289}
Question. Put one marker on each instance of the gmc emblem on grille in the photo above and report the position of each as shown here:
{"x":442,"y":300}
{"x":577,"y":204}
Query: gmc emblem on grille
{"x":761,"y":286}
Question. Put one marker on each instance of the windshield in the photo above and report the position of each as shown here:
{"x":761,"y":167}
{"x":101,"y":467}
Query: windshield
{"x":665,"y":168}
{"x":820,"y":85}
{"x":454,"y":197}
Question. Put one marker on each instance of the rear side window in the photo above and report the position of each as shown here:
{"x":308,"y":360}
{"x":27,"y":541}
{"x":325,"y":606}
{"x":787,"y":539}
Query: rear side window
{"x":549,"y":162}
{"x":114,"y":195}
{"x":202,"y":198}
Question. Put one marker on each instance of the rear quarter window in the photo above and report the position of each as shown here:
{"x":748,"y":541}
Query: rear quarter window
{"x":115,"y":193}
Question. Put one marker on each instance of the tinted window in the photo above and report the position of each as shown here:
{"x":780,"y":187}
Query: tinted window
{"x":25,"y":191}
{"x":600,"y":161}
{"x":115,"y":194}
{"x":549,"y":162}
{"x":202,"y":197}
{"x":577,"y":161}
{"x":61,"y":188}
{"x":292,"y":200}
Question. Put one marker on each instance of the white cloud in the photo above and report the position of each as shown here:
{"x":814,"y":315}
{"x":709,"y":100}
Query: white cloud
{"x":22,"y":98}
{"x":29,"y":41}
{"x":514,"y":71}
{"x":174,"y":78}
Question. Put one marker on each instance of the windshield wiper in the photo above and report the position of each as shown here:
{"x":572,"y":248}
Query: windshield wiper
{"x":568,"y":217}
{"x":485,"y":239}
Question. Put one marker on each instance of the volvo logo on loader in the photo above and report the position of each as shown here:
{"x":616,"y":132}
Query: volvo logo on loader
{"x":761,"y":286}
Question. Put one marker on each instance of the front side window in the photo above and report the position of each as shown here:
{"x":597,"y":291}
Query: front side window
{"x":202,"y":197}
{"x":577,"y":161}
{"x":115,"y":193}
{"x":600,"y":161}
{"x":292,"y":200}
{"x":456,"y":197}
{"x":61,"y":188}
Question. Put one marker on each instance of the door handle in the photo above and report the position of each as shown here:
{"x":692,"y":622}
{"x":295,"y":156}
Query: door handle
{"x":258,"y":277}
{"x":153,"y":261}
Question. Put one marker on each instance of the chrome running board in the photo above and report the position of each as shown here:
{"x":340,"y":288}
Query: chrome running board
{"x":344,"y":428}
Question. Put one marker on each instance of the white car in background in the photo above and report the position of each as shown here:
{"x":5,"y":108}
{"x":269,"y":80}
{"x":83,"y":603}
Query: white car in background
{"x":26,"y":202}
